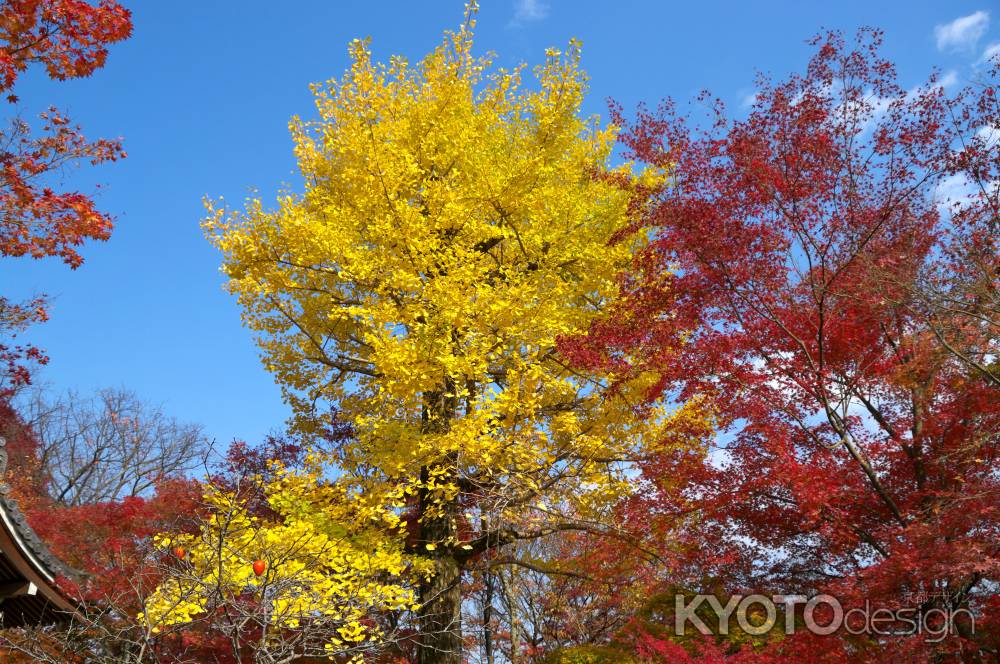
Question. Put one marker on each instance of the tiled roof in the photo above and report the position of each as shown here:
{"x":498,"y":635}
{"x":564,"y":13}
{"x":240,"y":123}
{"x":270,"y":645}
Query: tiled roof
{"x":28,"y":569}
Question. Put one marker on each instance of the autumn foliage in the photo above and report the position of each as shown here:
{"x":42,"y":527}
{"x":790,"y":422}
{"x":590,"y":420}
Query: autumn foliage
{"x":540,"y":395}
{"x":112,"y":545}
{"x":70,"y":39}
{"x":842,"y":317}
{"x":455,"y":223}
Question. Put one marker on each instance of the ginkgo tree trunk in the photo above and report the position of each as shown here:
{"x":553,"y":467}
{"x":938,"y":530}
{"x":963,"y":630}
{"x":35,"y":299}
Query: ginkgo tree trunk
{"x":455,"y":224}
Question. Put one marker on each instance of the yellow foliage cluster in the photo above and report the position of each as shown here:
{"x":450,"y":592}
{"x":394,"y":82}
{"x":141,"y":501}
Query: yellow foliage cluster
{"x":311,"y":556}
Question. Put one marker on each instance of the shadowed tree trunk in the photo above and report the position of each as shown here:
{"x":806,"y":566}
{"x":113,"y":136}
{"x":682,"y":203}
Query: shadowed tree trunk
{"x":440,"y":613}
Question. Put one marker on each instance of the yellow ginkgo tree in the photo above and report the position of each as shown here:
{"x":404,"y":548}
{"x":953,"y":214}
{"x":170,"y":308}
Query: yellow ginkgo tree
{"x":456,"y":222}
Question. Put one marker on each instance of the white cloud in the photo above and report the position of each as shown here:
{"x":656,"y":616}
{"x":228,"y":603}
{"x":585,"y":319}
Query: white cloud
{"x":949,"y":79}
{"x":529,"y":11}
{"x":953,"y":192}
{"x":719,"y":457}
{"x":748,"y":100}
{"x":962,"y":33}
{"x":991,"y":52}
{"x":989,"y":135}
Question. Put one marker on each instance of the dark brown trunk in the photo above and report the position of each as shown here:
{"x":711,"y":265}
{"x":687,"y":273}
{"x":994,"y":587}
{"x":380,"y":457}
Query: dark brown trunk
{"x":440,"y":615}
{"x":487,"y":609}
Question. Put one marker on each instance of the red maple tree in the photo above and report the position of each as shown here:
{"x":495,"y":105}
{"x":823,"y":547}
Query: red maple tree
{"x":70,"y":39}
{"x":826,"y":271}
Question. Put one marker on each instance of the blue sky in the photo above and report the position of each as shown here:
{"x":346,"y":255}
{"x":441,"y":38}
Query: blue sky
{"x":202,"y":95}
